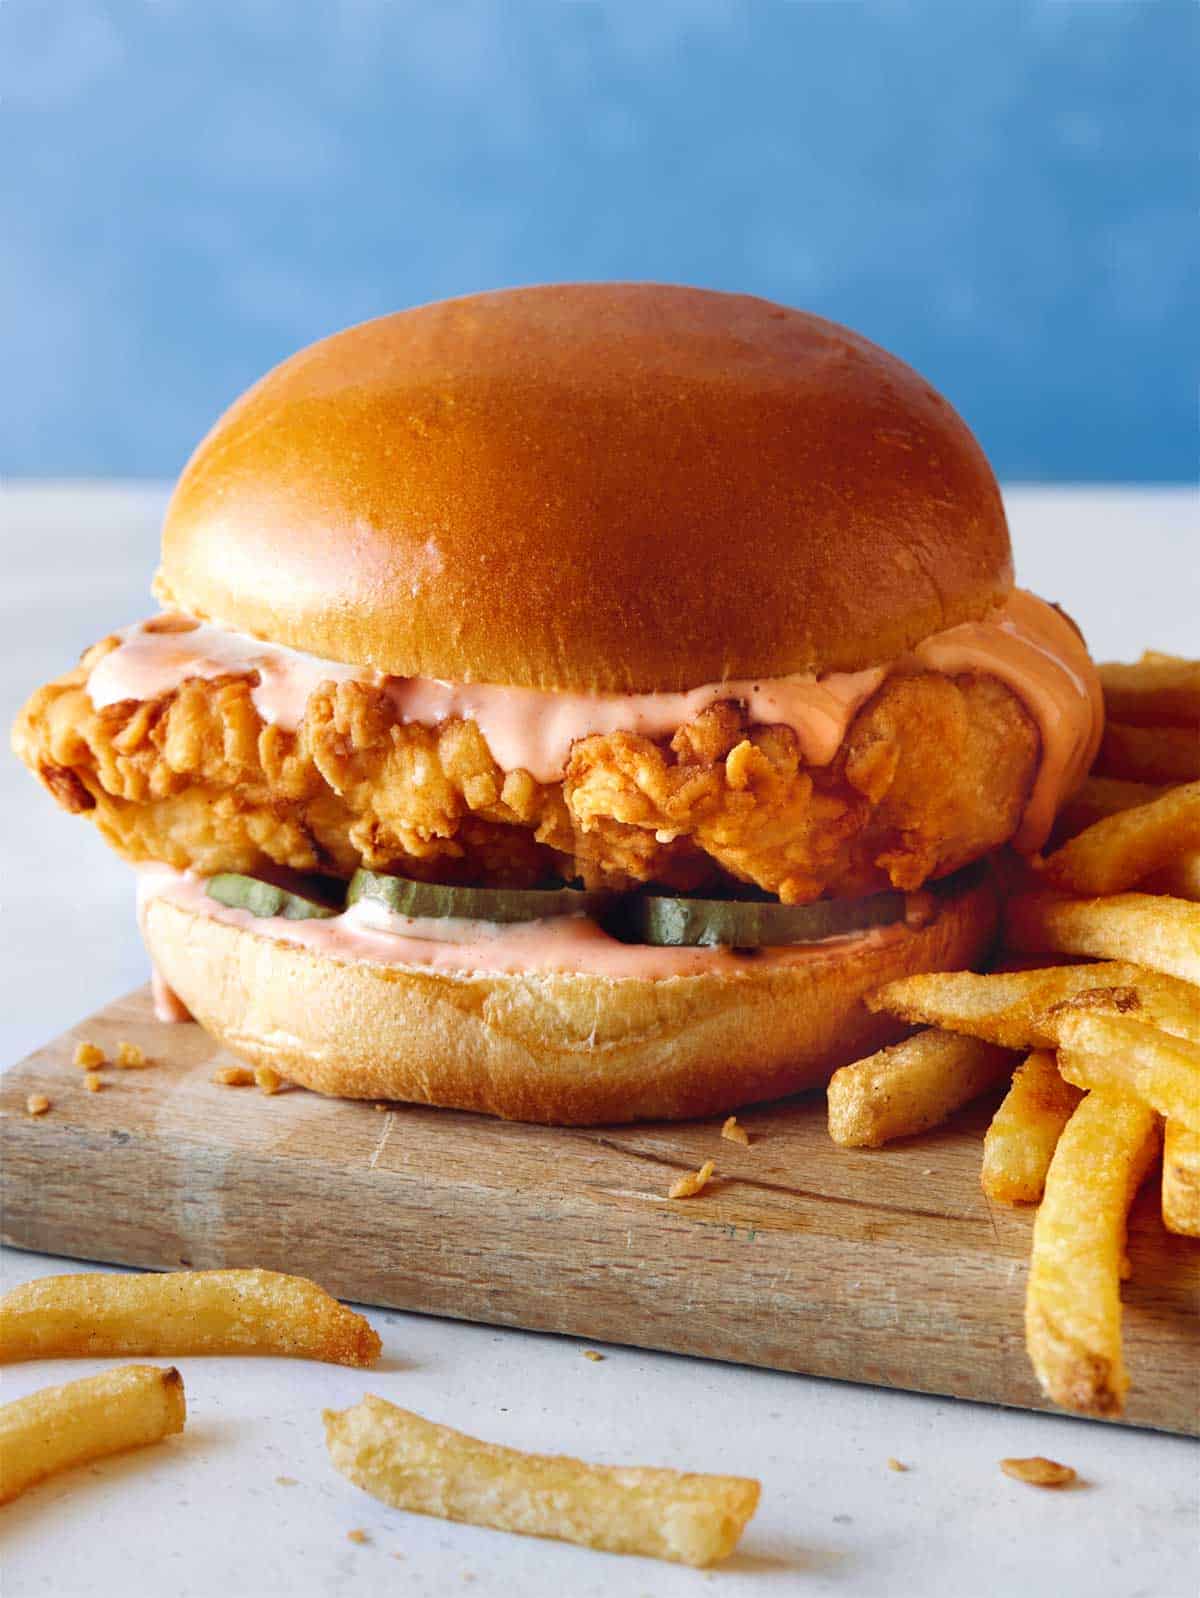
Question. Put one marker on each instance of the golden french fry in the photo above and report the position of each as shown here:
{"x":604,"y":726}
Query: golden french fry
{"x":910,"y":1087}
{"x":1148,"y":928}
{"x":1159,"y":689}
{"x":1073,"y":1300}
{"x":1111,"y":1052}
{"x":1149,"y":754}
{"x":1181,"y":879}
{"x":1114,"y":854}
{"x":1181,"y":1179}
{"x":415,"y":1464}
{"x":1097,"y":798}
{"x":181,"y":1312}
{"x":1019,"y":1144}
{"x":58,"y":1427}
{"x":1015,"y":1008}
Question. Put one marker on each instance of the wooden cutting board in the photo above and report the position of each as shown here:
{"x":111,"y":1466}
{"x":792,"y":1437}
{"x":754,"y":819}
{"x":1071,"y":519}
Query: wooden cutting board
{"x":886,"y":1267}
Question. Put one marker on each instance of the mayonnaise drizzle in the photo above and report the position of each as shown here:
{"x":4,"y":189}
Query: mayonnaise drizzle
{"x":1028,"y":646}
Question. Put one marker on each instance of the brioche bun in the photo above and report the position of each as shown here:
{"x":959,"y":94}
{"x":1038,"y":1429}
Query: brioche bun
{"x":564,"y":1049}
{"x":598,"y":487}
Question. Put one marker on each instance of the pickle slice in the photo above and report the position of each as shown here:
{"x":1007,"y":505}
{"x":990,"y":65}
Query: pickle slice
{"x":261,"y":898}
{"x":408,"y":898}
{"x":754,"y":924}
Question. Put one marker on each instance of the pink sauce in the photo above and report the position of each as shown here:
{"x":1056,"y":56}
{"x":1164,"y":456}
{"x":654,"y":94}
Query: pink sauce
{"x":1028,"y":646}
{"x":369,"y":932}
{"x":1040,"y":656}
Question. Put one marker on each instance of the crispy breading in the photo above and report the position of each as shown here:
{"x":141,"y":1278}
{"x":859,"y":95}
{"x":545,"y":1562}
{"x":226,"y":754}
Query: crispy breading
{"x":933,"y":773}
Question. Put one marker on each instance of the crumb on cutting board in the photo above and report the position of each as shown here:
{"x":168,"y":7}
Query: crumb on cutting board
{"x":234,"y":1076}
{"x":93,"y":1082}
{"x":269,"y":1081}
{"x":692,"y":1182}
{"x":734,"y":1132}
{"x":37,"y":1104}
{"x":130,"y":1057}
{"x":88,"y":1055}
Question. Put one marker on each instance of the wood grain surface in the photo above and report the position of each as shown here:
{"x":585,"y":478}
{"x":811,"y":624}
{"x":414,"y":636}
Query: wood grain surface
{"x":886,"y":1267}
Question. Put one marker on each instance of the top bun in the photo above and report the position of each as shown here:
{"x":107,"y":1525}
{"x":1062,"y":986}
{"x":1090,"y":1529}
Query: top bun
{"x":603,"y":487}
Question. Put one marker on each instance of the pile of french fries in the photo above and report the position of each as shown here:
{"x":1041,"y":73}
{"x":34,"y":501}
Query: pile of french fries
{"x":1102,"y":1055}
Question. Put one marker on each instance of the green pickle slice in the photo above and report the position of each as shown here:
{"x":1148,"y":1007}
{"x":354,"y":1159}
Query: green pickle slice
{"x":261,"y":898}
{"x":755,"y":924}
{"x":407,"y":898}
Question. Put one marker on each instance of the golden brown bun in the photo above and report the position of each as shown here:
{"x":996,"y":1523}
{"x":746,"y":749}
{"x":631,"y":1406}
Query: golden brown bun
{"x":610,"y":487}
{"x":562,"y":1049}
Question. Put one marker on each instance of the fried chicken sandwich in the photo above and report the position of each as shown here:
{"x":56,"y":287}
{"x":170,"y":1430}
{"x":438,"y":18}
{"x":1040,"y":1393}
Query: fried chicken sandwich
{"x":568,"y":702}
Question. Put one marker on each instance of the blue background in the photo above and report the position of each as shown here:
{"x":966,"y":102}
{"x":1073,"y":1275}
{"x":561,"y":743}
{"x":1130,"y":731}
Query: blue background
{"x":1002,"y":192}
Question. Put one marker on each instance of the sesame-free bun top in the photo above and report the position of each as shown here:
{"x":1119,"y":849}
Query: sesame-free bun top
{"x":601,"y":487}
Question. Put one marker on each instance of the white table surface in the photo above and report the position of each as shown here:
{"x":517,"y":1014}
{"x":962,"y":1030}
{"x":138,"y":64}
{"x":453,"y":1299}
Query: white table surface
{"x":206,"y":1516}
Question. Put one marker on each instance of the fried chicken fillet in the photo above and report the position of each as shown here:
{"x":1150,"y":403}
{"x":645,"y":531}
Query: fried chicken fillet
{"x":934,"y":772}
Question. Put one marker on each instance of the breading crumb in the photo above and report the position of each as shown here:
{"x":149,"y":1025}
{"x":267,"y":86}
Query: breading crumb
{"x":37,"y":1104}
{"x":93,"y":1082}
{"x":896,"y":1464}
{"x":286,"y":1481}
{"x":268,"y":1080}
{"x":234,"y":1076}
{"x":1038,"y":1471}
{"x":385,"y":1108}
{"x":590,"y":1353}
{"x":693,"y":1182}
{"x":88,"y":1055}
{"x":734,"y":1132}
{"x":130,"y":1057}
{"x":358,"y":1535}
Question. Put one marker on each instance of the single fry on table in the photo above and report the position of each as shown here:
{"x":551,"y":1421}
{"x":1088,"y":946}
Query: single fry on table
{"x":181,"y":1312}
{"x":1118,"y":852}
{"x":414,"y":1464}
{"x":1151,"y":929}
{"x":1181,"y":1179}
{"x":58,"y":1427}
{"x":1016,"y":1008}
{"x":1073,"y":1299}
{"x":910,"y":1087}
{"x":1111,"y":1052}
{"x":1020,"y":1142}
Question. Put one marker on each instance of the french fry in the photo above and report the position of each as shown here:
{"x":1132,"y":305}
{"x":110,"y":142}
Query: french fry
{"x":415,"y":1464}
{"x":910,"y":1087}
{"x":1017,"y":1008}
{"x":1097,"y":798}
{"x":1149,"y":754}
{"x":1181,"y":1179}
{"x":58,"y":1427}
{"x":1019,"y":1144}
{"x":181,"y":1312}
{"x":1181,"y":879}
{"x":1073,"y":1300}
{"x":1109,"y":1052}
{"x":1152,"y":929}
{"x":1158,"y":689}
{"x":1119,"y":851}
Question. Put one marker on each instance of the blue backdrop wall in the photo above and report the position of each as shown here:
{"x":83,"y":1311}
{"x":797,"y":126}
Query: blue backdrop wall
{"x":1002,"y":191}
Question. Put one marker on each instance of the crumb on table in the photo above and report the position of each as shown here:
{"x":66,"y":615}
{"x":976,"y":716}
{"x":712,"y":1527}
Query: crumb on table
{"x":591,"y":1353}
{"x":37,"y":1104}
{"x":692,"y":1182}
{"x":268,"y":1080}
{"x":234,"y":1076}
{"x":358,"y":1535}
{"x":734,"y":1132}
{"x":88,"y":1055}
{"x":896,"y":1464}
{"x":1038,"y":1471}
{"x":93,"y":1082}
{"x":130,"y":1057}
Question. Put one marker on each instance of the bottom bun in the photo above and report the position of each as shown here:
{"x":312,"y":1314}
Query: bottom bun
{"x":565,"y":1049}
